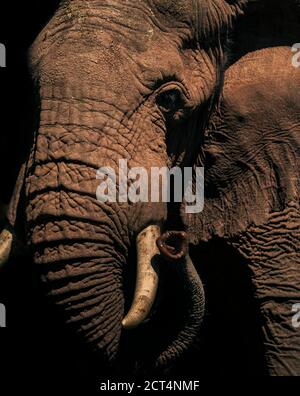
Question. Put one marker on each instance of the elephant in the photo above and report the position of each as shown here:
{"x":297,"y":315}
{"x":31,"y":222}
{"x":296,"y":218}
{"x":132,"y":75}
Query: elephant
{"x":104,"y":95}
{"x":252,"y":151}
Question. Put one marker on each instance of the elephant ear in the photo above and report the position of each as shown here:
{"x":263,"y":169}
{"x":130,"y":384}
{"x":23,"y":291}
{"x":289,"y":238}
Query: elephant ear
{"x":265,"y":24}
{"x":253,"y":143}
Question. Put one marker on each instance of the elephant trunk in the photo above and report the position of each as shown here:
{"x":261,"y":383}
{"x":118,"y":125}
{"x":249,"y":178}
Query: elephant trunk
{"x":83,"y":276}
{"x":174,"y":248}
{"x":80,"y":249}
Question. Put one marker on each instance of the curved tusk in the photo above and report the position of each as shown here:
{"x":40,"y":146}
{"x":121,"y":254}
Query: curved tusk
{"x":147,"y":277}
{"x":6,"y":241}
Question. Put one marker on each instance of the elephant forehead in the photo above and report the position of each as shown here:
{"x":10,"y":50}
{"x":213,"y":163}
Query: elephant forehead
{"x":136,"y":15}
{"x":107,"y":23}
{"x":94,"y":44}
{"x":100,"y":59}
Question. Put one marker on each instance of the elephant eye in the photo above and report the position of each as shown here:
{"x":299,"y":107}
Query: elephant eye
{"x":170,"y":101}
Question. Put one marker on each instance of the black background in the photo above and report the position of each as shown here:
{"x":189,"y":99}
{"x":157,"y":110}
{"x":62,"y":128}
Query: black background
{"x":36,"y":352}
{"x":20,"y":23}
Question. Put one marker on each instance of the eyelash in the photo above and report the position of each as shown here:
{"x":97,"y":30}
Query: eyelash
{"x":170,"y":100}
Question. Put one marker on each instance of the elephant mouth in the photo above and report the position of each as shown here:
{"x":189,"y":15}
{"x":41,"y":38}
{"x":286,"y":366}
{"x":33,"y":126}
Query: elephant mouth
{"x":170,"y":250}
{"x":173,"y":245}
{"x":153,"y":249}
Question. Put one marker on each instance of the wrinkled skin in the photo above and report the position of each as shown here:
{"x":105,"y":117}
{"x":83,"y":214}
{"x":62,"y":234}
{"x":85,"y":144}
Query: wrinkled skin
{"x":252,"y":184}
{"x":103,"y":96}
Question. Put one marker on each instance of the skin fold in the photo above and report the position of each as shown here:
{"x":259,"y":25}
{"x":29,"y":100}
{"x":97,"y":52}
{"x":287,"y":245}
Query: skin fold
{"x":140,"y":80}
{"x":252,"y":149}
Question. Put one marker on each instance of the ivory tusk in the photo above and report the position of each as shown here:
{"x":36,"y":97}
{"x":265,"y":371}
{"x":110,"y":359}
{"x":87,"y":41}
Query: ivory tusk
{"x":147,"y":278}
{"x":6,"y":241}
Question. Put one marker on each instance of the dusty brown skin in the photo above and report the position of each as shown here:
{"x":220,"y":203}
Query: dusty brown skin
{"x":105,"y":96}
{"x":252,"y":185}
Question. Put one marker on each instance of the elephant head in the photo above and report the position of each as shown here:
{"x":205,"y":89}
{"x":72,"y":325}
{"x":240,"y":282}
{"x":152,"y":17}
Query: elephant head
{"x":116,"y":80}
